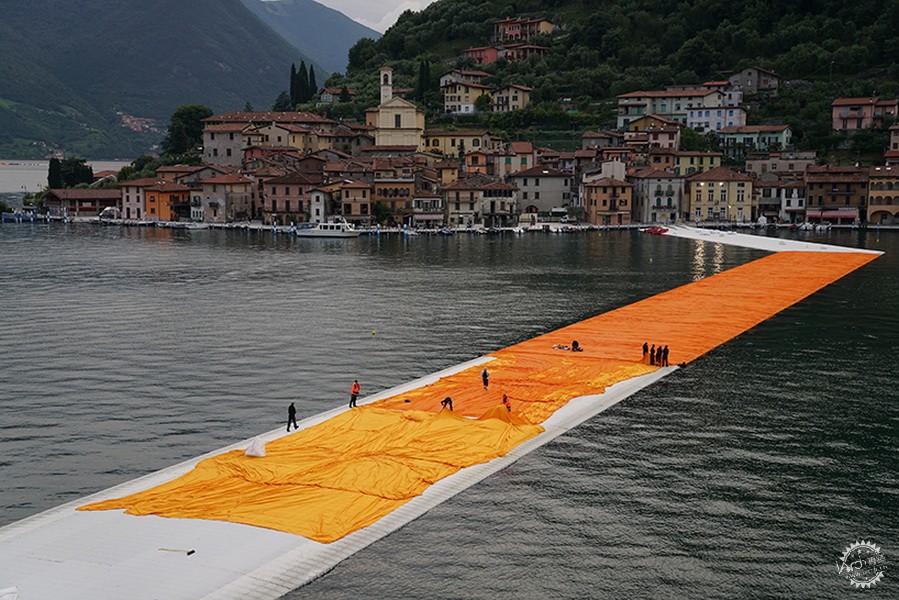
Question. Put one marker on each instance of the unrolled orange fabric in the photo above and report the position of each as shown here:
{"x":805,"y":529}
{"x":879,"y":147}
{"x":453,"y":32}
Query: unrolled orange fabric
{"x":346,"y":473}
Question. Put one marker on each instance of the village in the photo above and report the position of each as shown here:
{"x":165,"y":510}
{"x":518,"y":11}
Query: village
{"x":282,"y":168}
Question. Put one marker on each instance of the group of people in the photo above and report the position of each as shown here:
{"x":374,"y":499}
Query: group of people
{"x":447,"y":402}
{"x":657,"y":355}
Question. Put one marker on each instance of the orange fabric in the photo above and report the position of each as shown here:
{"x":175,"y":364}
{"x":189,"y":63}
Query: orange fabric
{"x":346,"y":473}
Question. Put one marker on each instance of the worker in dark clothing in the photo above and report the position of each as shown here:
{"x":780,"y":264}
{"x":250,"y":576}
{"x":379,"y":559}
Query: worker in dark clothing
{"x":485,"y":377}
{"x":354,"y":393}
{"x":506,"y":403}
{"x":645,"y":351}
{"x":292,"y":417}
{"x":665,"y":356}
{"x":652,"y":355}
{"x":659,"y":356}
{"x":575,"y":347}
{"x":447,"y":402}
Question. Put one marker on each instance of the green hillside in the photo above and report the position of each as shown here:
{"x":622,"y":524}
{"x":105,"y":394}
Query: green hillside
{"x":68,"y":68}
{"x":322,"y":33}
{"x":823,"y":48}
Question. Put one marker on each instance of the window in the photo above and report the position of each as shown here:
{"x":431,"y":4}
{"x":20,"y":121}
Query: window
{"x":476,"y":142}
{"x":524,"y":195}
{"x":287,"y":205}
{"x":230,"y":136}
{"x":212,"y":136}
{"x":215,"y":151}
{"x":397,"y":121}
{"x":536,"y":195}
{"x":274,"y":206}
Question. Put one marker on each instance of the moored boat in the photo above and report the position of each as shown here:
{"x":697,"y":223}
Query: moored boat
{"x":331,"y":229}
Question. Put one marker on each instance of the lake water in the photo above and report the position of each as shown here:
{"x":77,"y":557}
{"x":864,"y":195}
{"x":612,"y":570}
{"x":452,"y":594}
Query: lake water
{"x":123,"y":351}
{"x":29,"y":176}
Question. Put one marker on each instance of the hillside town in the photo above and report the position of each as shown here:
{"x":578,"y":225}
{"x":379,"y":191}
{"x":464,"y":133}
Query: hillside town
{"x":294,"y":167}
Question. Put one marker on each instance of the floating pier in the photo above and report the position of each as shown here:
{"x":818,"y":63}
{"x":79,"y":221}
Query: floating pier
{"x":259,"y":527}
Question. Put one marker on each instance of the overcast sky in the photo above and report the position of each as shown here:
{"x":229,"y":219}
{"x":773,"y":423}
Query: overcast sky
{"x":377,"y":14}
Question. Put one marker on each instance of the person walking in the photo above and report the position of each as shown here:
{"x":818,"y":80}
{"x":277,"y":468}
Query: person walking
{"x":485,"y":377}
{"x":665,"y":356}
{"x":354,"y":392}
{"x":645,"y":351}
{"x":652,"y":355}
{"x":506,"y":403}
{"x":292,"y":417}
{"x":659,"y":356}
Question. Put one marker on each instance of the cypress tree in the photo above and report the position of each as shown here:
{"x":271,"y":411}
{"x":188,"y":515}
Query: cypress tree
{"x":303,"y":87}
{"x":294,"y":96}
{"x":54,"y":176}
{"x":313,"y":86}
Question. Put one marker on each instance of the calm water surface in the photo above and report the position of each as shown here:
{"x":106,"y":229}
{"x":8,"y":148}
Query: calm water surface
{"x":123,"y":351}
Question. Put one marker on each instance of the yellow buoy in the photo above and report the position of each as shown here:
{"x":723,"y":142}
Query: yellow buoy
{"x":373,"y":332}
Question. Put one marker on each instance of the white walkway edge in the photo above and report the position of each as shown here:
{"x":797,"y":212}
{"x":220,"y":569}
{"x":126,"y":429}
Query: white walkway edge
{"x":759,"y":242}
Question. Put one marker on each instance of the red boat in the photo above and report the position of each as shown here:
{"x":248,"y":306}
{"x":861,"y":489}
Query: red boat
{"x":656,"y":230}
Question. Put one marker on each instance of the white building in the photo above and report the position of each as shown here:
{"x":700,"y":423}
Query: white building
{"x":541,"y":189}
{"x":703,"y":120}
{"x":658,"y":196}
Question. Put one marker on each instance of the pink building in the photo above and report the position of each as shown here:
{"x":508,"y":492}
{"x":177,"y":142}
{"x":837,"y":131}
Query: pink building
{"x":850,"y":114}
{"x":484,"y":55}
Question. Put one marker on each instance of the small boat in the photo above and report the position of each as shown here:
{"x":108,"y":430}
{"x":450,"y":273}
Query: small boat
{"x":333,"y":229}
{"x":655,"y":230}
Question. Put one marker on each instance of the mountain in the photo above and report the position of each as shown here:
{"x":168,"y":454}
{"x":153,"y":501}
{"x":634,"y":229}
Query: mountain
{"x":67,"y":69}
{"x":319,"y":32}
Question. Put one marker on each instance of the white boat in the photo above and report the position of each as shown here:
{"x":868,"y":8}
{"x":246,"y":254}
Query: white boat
{"x":333,"y":229}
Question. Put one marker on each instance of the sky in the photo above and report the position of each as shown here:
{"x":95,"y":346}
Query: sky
{"x":377,"y":14}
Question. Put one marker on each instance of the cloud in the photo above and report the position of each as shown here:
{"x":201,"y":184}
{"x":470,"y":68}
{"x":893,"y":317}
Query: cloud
{"x":377,"y":14}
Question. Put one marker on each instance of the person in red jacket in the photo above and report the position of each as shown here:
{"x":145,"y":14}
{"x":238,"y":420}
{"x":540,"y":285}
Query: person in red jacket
{"x":354,"y":393}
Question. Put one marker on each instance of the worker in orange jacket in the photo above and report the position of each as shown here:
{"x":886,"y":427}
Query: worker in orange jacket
{"x":354,"y":393}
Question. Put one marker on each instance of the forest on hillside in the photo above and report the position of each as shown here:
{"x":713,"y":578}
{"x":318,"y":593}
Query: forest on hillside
{"x":822,"y":49}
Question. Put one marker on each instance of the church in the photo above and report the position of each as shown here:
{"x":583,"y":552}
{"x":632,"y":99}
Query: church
{"x":397,"y":121}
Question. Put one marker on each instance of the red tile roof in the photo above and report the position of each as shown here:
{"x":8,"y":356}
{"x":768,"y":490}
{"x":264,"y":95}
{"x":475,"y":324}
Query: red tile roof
{"x":720,"y":174}
{"x":541,"y":172}
{"x":229,"y":179}
{"x":669,"y":94}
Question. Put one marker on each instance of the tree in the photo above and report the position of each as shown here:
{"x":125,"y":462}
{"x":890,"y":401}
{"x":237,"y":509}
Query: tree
{"x":303,"y":85}
{"x":54,"y":176}
{"x":4,"y":207}
{"x":282,"y":103}
{"x":345,"y":94}
{"x":424,"y":79}
{"x":294,"y":85}
{"x":482,"y":103}
{"x":381,"y":212}
{"x":75,"y":171}
{"x":185,"y":134}
{"x":248,"y":107}
{"x":313,"y":86}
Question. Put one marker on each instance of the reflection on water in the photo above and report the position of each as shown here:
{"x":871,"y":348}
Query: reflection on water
{"x":127,"y":350}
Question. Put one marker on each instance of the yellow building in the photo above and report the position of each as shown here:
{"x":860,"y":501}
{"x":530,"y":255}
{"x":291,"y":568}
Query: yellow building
{"x":397,"y":122}
{"x":720,"y":194}
{"x":511,"y":97}
{"x":450,"y":142}
{"x":687,"y":162}
{"x":459,"y":96}
{"x":608,"y":201}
